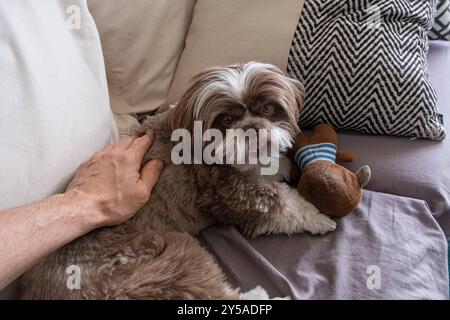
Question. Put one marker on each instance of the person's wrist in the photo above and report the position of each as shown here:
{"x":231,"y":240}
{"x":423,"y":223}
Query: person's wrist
{"x":86,"y":208}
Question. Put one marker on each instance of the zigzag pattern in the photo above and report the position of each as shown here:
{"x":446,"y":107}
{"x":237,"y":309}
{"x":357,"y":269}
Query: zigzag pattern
{"x":441,"y":27}
{"x":363,"y":63}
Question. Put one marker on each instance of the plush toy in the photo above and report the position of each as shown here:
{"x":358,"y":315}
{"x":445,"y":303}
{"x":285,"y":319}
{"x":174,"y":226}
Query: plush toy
{"x":333,"y":189}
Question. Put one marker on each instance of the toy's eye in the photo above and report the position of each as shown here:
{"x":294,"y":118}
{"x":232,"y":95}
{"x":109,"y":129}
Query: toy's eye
{"x":267,"y":109}
{"x":227,"y":120}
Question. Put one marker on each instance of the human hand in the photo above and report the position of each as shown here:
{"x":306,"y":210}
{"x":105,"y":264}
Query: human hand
{"x":110,"y":183}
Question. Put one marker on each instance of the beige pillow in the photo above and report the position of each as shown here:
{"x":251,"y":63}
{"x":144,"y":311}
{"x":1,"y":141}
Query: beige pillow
{"x":142,"y":41}
{"x":225,"y":32}
{"x":127,"y":125}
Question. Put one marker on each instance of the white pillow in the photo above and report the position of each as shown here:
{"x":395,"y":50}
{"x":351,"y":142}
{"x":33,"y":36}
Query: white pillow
{"x":54,"y":110}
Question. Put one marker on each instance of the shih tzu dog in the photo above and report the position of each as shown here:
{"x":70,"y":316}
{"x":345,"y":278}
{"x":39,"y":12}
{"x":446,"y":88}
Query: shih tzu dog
{"x":153,"y":255}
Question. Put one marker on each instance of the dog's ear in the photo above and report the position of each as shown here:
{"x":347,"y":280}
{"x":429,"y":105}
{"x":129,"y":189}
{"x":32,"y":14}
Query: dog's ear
{"x":297,"y":87}
{"x":184,"y":113}
{"x":181,"y":116}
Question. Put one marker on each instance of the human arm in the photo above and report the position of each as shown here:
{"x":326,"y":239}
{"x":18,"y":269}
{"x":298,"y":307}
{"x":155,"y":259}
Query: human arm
{"x":107,"y":190}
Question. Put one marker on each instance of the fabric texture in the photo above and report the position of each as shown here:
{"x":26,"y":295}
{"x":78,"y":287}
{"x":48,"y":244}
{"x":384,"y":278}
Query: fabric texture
{"x":390,"y":247}
{"x":315,"y":152}
{"x":142,"y":43}
{"x":441,"y":27}
{"x":54,"y":110}
{"x":127,"y":124}
{"x":233,"y":31}
{"x":364,"y":66}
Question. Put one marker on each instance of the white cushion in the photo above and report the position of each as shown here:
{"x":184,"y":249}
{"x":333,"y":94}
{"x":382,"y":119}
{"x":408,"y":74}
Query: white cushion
{"x":54,"y":110}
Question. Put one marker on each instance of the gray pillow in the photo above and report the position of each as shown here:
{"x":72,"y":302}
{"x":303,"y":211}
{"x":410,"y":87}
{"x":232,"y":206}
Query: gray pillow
{"x":364,"y":66}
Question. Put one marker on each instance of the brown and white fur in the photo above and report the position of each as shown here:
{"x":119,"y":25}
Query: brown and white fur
{"x":154,"y":256}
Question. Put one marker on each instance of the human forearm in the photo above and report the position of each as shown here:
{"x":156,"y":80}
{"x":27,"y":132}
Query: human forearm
{"x":106,"y":190}
{"x":29,"y":233}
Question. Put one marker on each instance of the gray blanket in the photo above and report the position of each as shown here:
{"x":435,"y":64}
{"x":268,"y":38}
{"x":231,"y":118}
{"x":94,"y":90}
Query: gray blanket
{"x":390,"y":247}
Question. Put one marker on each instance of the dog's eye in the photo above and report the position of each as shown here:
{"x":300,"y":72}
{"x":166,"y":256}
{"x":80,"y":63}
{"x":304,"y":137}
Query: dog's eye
{"x":226,"y":119}
{"x":267,"y":109}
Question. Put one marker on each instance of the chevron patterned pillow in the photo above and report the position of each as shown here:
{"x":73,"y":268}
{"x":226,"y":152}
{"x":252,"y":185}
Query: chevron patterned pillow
{"x":363,"y":63}
{"x":441,"y":27}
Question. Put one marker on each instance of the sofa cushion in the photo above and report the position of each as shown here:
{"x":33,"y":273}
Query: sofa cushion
{"x":232,"y":31}
{"x":141,"y":42}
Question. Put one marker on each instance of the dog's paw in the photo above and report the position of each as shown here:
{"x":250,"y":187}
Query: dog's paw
{"x":321,"y":224}
{"x":259,"y":293}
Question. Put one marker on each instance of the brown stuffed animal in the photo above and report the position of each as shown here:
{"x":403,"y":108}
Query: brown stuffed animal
{"x":333,"y":189}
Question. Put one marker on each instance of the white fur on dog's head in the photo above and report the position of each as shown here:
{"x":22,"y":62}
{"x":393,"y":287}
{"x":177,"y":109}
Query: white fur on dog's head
{"x":242,"y":96}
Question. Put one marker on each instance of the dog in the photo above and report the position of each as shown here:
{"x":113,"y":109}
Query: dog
{"x":154,"y":255}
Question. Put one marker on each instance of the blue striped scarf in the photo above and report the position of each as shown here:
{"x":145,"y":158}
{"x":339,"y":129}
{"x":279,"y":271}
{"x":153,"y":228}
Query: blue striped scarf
{"x":315,"y":152}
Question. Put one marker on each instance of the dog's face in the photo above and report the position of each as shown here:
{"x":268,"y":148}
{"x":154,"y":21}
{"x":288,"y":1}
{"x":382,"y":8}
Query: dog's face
{"x":244,"y":96}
